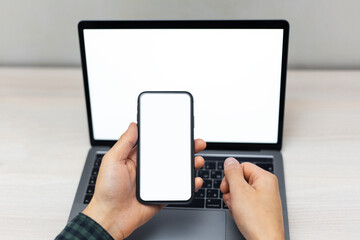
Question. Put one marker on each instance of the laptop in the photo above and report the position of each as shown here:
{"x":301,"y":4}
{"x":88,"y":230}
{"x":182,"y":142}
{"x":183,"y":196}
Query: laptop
{"x":236,"y":72}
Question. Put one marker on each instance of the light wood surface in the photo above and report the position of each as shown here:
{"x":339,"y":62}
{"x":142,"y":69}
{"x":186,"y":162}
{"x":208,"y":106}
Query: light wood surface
{"x":44,"y":142}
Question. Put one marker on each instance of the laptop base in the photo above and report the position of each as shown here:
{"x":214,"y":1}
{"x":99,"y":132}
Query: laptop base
{"x":185,"y":223}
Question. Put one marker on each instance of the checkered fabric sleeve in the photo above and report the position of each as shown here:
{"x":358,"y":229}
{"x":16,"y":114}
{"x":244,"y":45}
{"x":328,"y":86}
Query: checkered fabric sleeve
{"x":83,"y":228}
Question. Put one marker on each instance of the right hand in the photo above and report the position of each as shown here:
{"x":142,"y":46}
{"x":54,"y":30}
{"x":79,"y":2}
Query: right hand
{"x":114,"y":205}
{"x":252,"y":195}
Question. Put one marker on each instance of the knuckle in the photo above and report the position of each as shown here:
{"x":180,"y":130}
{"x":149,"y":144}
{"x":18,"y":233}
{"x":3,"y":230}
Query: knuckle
{"x":226,"y":196}
{"x":124,"y":138}
{"x":273,"y":178}
{"x":245,"y":164}
{"x":127,"y":140}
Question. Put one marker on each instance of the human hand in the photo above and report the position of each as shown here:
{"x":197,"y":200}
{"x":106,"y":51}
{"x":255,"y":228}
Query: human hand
{"x":252,"y":195}
{"x":114,"y":205}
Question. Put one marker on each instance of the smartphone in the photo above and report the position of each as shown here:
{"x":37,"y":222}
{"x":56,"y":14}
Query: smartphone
{"x":165,"y":154}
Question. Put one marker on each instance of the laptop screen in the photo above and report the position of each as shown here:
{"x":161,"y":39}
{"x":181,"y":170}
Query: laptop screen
{"x":234,"y":76}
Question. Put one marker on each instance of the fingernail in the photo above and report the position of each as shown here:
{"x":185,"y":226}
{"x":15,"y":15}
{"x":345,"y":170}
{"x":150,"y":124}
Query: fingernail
{"x":229,"y":162}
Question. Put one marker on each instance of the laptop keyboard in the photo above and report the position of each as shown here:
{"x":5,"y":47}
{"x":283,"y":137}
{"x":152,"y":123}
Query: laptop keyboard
{"x":92,"y":181}
{"x":209,"y":196}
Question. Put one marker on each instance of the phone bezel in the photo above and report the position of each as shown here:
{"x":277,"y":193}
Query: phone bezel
{"x":192,"y":155}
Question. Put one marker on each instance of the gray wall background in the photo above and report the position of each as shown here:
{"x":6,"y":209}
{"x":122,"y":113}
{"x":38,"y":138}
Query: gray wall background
{"x":323,"y":34}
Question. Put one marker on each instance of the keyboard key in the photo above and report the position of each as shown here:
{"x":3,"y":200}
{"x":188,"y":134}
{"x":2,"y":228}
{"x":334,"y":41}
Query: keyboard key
{"x":200,"y":193}
{"x":212,"y":193}
{"x":217,"y":183}
{"x":216,"y":174}
{"x":196,"y":203}
{"x":204,"y":174}
{"x":241,"y":158}
{"x":210,"y":165}
{"x":97,"y":162}
{"x":225,"y":206}
{"x":92,"y":180}
{"x":266,"y":166}
{"x":87,"y":199}
{"x":213,"y":203}
{"x":90,"y":190}
{"x":211,"y":158}
{"x":255,"y":159}
{"x":95,"y":171}
{"x":220,"y":165}
{"x":207,"y":184}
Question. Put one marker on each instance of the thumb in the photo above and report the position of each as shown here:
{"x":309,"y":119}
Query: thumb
{"x":234,"y":174}
{"x":126,"y":143}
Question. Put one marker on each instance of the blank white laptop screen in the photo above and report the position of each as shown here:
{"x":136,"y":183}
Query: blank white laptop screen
{"x":234,"y":76}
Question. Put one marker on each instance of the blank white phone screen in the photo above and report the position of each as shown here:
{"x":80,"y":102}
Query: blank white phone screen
{"x":165,"y":146}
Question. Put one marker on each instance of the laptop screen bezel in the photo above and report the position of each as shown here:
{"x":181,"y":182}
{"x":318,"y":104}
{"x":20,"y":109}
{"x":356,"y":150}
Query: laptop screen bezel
{"x":193,"y":24}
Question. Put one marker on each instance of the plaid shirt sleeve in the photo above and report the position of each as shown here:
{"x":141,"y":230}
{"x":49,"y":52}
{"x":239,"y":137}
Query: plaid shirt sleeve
{"x":83,"y":228}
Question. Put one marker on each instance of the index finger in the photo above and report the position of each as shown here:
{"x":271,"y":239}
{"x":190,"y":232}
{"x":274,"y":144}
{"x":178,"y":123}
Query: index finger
{"x":199,"y":145}
{"x":253,"y":173}
{"x":125,"y":144}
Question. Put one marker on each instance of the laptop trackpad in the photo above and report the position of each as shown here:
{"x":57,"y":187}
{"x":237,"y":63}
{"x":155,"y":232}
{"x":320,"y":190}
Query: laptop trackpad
{"x":183,"y":224}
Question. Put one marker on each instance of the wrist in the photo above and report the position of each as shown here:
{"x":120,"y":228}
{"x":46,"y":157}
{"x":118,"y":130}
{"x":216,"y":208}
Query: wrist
{"x":105,"y":219}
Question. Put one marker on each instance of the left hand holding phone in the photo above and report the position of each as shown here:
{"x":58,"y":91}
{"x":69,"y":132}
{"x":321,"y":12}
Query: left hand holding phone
{"x":114,"y":205}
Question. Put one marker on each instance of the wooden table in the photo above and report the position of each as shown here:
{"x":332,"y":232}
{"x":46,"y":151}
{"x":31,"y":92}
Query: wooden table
{"x":44,"y":142}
